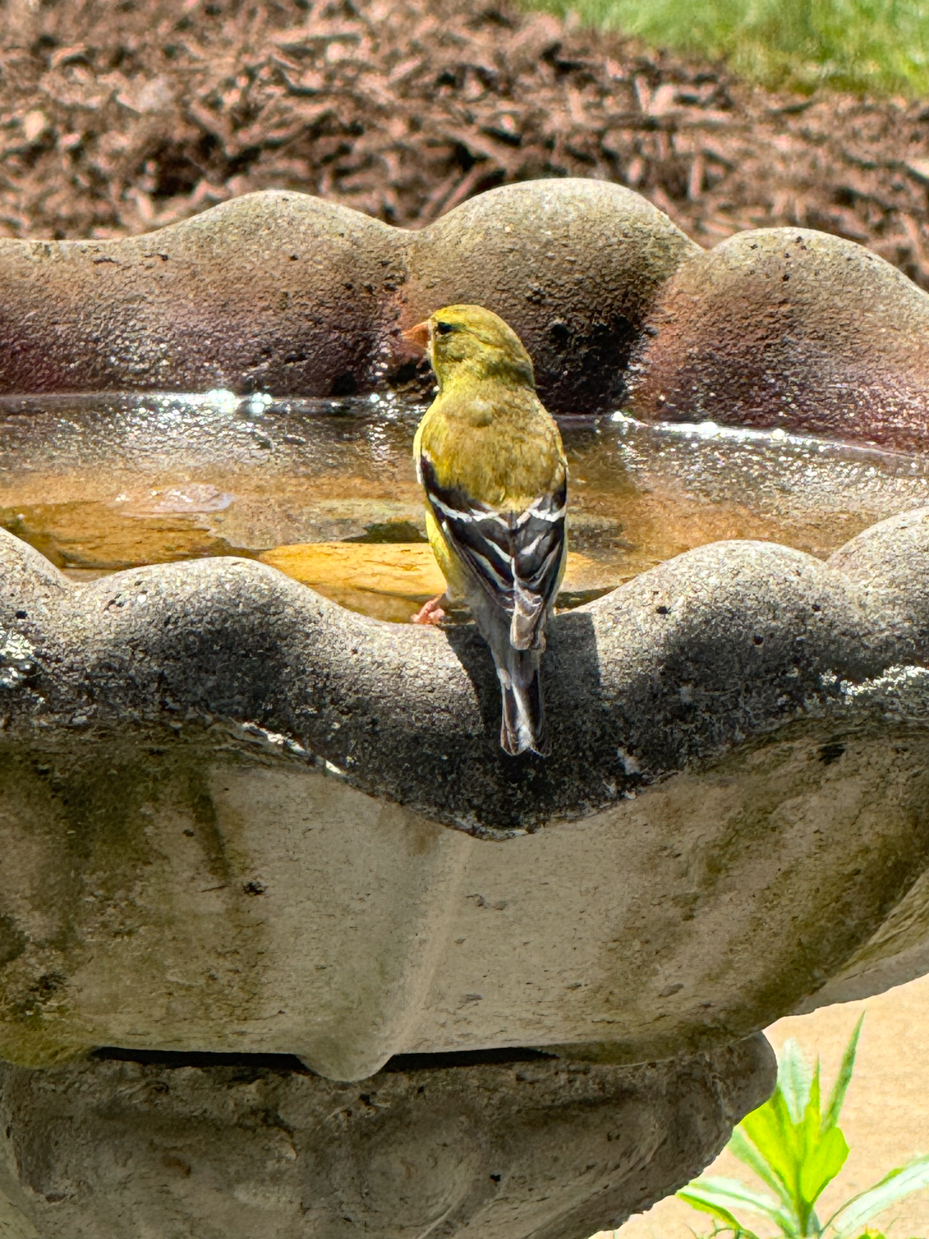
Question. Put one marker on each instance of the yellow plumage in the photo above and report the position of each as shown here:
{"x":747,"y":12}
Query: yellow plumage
{"x":492,"y":465}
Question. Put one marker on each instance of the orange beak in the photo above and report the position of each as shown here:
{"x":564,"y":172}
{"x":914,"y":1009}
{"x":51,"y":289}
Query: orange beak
{"x":417,"y":336}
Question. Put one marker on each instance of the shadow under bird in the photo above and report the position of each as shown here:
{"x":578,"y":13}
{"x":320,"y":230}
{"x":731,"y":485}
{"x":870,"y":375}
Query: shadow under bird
{"x":491,"y":463}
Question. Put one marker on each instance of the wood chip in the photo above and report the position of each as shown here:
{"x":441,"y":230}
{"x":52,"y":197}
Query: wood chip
{"x":123,"y":120}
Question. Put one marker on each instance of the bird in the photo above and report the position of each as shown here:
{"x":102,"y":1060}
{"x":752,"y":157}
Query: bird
{"x":490,"y":460}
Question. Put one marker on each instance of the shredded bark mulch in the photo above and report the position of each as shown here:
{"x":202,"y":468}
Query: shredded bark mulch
{"x":120,"y":117}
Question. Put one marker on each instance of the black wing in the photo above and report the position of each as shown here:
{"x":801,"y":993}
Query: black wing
{"x":514,"y":557}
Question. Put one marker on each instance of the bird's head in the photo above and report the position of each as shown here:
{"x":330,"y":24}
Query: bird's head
{"x":467,"y":342}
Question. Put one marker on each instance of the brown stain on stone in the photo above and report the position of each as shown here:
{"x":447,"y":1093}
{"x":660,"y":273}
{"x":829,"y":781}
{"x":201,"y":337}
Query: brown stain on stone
{"x":273,"y":291}
{"x":791,"y":328}
{"x":282,"y":292}
{"x":287,"y":293}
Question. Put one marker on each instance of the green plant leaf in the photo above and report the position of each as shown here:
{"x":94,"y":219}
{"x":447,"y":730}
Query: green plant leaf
{"x":893,"y":1187}
{"x":718,"y":1196}
{"x":794,"y":1079}
{"x":796,"y":1150}
{"x":813,"y":1105}
{"x":808,"y":1130}
{"x":839,"y":1089}
{"x":775,"y":1136}
{"x":824,"y":1158}
{"x":745,"y":1151}
{"x":725,"y":1194}
{"x":694,"y":1197}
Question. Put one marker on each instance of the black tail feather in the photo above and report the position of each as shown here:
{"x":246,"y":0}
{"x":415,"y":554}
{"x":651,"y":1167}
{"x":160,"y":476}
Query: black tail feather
{"x":522,"y":726}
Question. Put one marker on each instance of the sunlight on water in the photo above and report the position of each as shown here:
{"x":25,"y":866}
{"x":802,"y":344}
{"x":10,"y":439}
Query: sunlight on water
{"x":99,"y":483}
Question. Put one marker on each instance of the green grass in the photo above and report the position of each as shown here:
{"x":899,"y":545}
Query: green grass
{"x":868,"y":46}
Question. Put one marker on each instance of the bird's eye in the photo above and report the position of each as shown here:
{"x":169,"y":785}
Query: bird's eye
{"x":444,"y":328}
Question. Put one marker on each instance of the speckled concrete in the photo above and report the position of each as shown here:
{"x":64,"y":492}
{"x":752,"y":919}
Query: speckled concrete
{"x":274,"y":291}
{"x":547,"y":1148}
{"x":574,"y":266}
{"x":228,"y":805}
{"x":792,"y":328}
{"x":286,"y":293}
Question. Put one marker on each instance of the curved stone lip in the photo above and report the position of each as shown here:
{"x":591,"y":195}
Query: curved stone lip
{"x":789,"y":327}
{"x":169,"y":735}
{"x":288,"y":294}
{"x":719,"y":649}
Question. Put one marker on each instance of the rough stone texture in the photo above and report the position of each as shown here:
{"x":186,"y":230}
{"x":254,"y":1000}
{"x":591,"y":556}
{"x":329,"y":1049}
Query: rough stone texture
{"x":273,"y":291}
{"x":290,"y":294}
{"x":224,"y":801}
{"x":549,"y":1148}
{"x":287,"y":293}
{"x":574,"y":266}
{"x":793,"y":328}
{"x":890,"y":565}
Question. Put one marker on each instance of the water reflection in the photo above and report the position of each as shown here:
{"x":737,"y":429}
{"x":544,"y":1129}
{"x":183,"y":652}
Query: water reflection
{"x":99,"y":483}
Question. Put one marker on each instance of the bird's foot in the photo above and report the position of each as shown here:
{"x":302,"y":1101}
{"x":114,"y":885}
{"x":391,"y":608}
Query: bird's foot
{"x":432,"y":612}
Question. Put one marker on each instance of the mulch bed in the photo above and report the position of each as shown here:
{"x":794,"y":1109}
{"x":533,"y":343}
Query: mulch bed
{"x":119,"y":117}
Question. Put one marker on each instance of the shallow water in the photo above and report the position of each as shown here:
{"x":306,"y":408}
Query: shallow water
{"x":107,"y":482}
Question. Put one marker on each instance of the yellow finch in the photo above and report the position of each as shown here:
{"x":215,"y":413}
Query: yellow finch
{"x":490,"y":460}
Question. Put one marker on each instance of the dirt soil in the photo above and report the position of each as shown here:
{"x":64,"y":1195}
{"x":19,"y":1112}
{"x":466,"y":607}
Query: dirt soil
{"x":119,"y":116}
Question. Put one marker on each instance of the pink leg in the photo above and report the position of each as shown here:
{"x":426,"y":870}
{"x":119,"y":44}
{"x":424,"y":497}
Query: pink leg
{"x":431,"y":613}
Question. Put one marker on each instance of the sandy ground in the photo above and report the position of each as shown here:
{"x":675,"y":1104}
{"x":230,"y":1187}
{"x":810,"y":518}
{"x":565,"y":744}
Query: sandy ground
{"x":886,"y":1115}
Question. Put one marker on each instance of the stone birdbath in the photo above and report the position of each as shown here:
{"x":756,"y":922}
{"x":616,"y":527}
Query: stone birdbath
{"x":288,"y":946}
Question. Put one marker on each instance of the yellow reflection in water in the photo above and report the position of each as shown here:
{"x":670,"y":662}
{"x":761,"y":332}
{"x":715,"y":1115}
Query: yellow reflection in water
{"x":99,"y":484}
